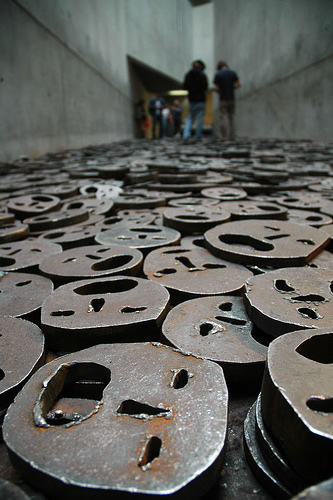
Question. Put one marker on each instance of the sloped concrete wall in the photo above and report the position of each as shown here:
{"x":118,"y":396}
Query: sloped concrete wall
{"x":282,"y":52}
{"x":64,"y":75}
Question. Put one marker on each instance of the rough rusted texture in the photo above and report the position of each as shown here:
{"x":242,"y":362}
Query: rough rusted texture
{"x":72,"y":236}
{"x":314,"y":219}
{"x":92,"y":204}
{"x":290,"y":299}
{"x":150,"y":402}
{"x":94,"y":261}
{"x":269,"y":242}
{"x":22,"y":352}
{"x":144,"y":238}
{"x":193,"y":272}
{"x":23,"y":293}
{"x":103,"y":310}
{"x":301,"y":396}
{"x":218,"y":328}
{"x":189,"y":220}
{"x":25,"y":254}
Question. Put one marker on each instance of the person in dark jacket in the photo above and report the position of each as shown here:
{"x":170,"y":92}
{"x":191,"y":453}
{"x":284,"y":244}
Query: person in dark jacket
{"x":196,"y":84}
{"x":226,"y":81}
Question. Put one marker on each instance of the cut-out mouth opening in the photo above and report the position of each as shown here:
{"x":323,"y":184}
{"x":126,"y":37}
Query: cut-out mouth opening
{"x":104,"y":287}
{"x":245,"y":241}
{"x":317,"y":348}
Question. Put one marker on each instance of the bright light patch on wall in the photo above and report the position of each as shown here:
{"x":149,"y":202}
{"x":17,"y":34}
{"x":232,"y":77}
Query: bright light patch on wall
{"x":178,"y":92}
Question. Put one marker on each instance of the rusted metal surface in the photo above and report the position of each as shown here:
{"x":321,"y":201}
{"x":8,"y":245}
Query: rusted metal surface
{"x":103,"y":310}
{"x":21,"y":354}
{"x":309,"y":218}
{"x":26,"y":254}
{"x":136,"y":198}
{"x":301,"y":395}
{"x":144,"y":238}
{"x":218,"y":328}
{"x":23,"y":293}
{"x":193,"y":202}
{"x":189,"y":273}
{"x":94,"y":261}
{"x":189,"y":220}
{"x":269,"y":242}
{"x":93,"y":205}
{"x":290,"y":299}
{"x":149,"y":401}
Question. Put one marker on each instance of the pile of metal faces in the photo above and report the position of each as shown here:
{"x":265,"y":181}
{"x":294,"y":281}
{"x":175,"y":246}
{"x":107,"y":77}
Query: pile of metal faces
{"x":141,"y":282}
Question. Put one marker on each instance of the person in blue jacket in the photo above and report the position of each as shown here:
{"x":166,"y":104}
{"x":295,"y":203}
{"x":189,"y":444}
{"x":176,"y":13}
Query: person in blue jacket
{"x":226,"y":82}
{"x":156,"y":104}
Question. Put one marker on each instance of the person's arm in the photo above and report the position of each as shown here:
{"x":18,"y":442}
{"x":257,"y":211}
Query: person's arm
{"x":237,"y":84}
{"x":217,"y":88}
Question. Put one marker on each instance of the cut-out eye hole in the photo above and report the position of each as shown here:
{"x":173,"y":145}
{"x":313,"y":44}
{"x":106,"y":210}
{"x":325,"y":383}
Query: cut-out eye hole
{"x":283,"y":286}
{"x":23,"y":283}
{"x":180,"y":379}
{"x":308,"y":313}
{"x":2,"y":374}
{"x":320,"y":404}
{"x":207,"y":328}
{"x":312,"y":297}
{"x":5,"y":261}
{"x":70,"y":259}
{"x":331,"y":286}
{"x":135,"y":408}
{"x":70,"y":394}
{"x":68,"y":312}
{"x":162,"y":272}
{"x":96,"y":305}
{"x":318,"y":348}
{"x":231,"y":320}
{"x":307,"y":242}
{"x":210,"y":265}
{"x":129,"y":309}
{"x":150,"y":452}
{"x":226,"y":306}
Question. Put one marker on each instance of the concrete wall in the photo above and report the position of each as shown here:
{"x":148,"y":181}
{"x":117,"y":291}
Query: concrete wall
{"x":64,"y":74}
{"x":282,"y":52}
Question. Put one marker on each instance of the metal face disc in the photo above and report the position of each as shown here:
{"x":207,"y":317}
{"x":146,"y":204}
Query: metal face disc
{"x":23,"y":293}
{"x":266,"y":242}
{"x":189,"y":273}
{"x":25,"y":254}
{"x":103,"y":310}
{"x":290,"y":299}
{"x":31,"y":205}
{"x":22,"y":352}
{"x":145,"y":238}
{"x":58,"y":219}
{"x":217,"y":328}
{"x":193,"y":202}
{"x":72,"y":236}
{"x":314,"y":219}
{"x":93,"y":261}
{"x":123,"y":419}
{"x":224,"y":193}
{"x":93,"y":205}
{"x":298,"y":384}
{"x":189,"y":220}
{"x":252,"y":210}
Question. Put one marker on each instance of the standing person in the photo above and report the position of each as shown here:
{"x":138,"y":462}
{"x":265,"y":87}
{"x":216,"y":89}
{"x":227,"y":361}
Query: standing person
{"x":196,"y":84}
{"x":226,"y":81}
{"x":166,"y":121}
{"x":176,"y":111}
{"x":140,"y":118}
{"x":156,"y":104}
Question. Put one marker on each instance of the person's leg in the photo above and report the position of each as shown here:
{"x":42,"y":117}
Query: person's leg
{"x":189,"y":122}
{"x":164,"y":127}
{"x":200,"y":110}
{"x":154,"y":126}
{"x":223,"y":115}
{"x":232,"y":128}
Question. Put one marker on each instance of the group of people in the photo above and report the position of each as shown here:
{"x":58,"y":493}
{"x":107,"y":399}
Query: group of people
{"x":168,"y":117}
